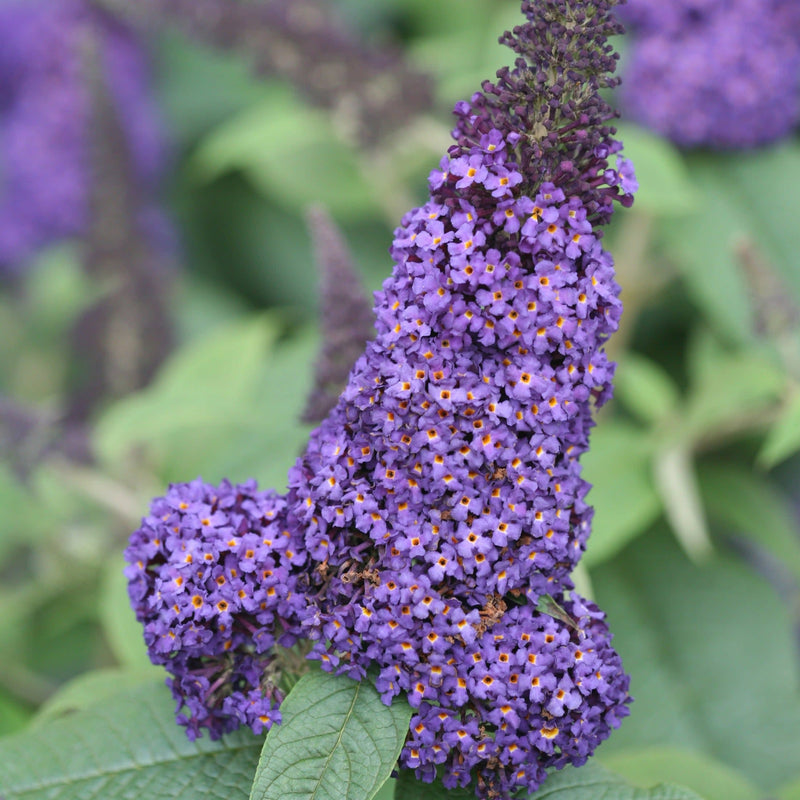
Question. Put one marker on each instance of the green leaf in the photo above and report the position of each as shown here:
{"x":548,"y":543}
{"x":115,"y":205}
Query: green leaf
{"x":547,"y":605}
{"x":269,"y":448}
{"x":711,"y":655}
{"x":13,"y":715}
{"x":645,"y":389}
{"x":772,"y":175}
{"x":618,"y":465}
{"x":783,"y":439}
{"x":24,"y":519}
{"x":463,"y":53}
{"x":592,"y":781}
{"x":126,"y":747}
{"x":202,"y":305}
{"x":292,"y":153}
{"x":701,"y":773}
{"x":729,"y":388}
{"x":676,"y":482}
{"x":123,"y":632}
{"x":92,"y":688}
{"x":66,"y":491}
{"x":337,"y":741}
{"x":751,"y":508}
{"x":791,"y":791}
{"x":58,"y":289}
{"x":203,"y":397}
{"x":665,"y":184}
{"x":225,"y":362}
{"x":703,"y":244}
{"x":386,"y":792}
{"x":199,"y":87}
{"x":229,"y":407}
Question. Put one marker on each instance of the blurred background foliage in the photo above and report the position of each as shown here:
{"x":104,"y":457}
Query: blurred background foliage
{"x":695,"y":551}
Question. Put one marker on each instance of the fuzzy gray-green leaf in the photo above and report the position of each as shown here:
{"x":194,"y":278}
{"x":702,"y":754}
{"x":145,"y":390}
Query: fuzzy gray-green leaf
{"x":337,"y":741}
{"x":126,"y":747}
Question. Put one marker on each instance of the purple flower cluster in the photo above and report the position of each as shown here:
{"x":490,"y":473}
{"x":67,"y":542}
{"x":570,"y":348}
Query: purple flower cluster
{"x":437,"y":513}
{"x":213,"y":577}
{"x":45,"y":113}
{"x":455,"y":445}
{"x":533,"y":693}
{"x":715,"y":73}
{"x":446,"y":485}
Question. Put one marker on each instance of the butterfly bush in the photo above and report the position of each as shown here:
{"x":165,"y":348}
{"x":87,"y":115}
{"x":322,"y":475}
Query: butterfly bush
{"x":715,"y":73}
{"x":438,"y":510}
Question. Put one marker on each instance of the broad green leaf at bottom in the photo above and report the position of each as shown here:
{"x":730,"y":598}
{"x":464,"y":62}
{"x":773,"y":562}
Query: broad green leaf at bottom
{"x":93,"y":688}
{"x":128,"y":747}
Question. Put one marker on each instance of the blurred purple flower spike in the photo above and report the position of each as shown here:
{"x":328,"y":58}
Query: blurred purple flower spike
{"x":45,"y":114}
{"x":714,"y":73}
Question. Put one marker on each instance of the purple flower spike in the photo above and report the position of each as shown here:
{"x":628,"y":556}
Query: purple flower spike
{"x":442,"y":496}
{"x":452,"y":455}
{"x":372,"y":91}
{"x":548,"y":107}
{"x":346,"y":316}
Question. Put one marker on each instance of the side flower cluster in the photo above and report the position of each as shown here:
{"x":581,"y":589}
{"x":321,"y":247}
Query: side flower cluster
{"x":212,"y":577}
{"x":717,"y":73}
{"x":432,"y":524}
